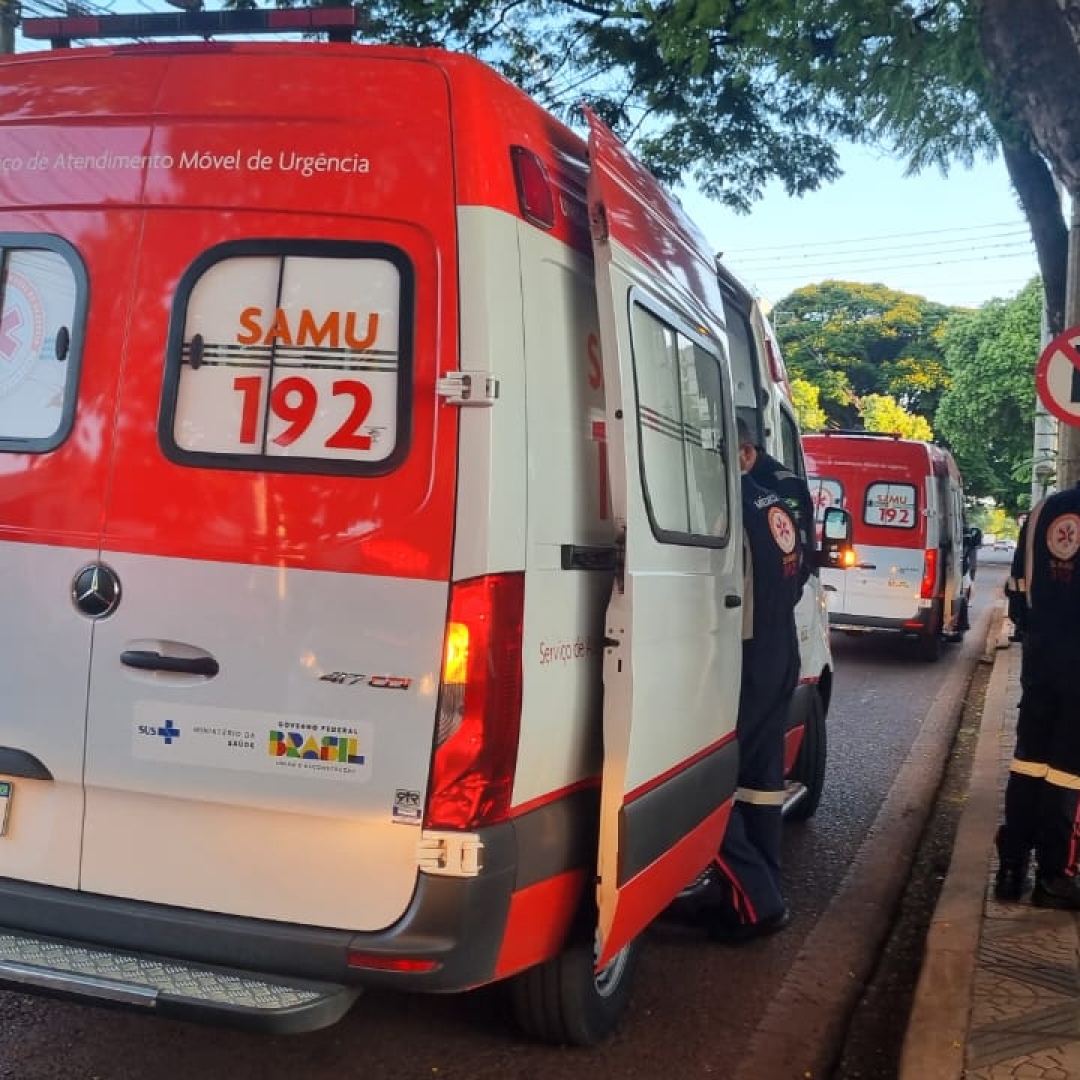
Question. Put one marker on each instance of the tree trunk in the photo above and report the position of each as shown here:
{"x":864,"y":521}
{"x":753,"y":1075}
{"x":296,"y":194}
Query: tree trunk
{"x":1033,"y":57}
{"x":1032,"y":50}
{"x":1041,"y":202}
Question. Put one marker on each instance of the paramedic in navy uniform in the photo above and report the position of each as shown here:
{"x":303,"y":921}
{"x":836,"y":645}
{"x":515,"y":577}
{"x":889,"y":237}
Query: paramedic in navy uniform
{"x":765,"y":470}
{"x":747,"y":868}
{"x":1043,"y":789}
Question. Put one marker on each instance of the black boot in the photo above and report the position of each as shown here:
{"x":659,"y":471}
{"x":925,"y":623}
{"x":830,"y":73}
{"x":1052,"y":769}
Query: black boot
{"x":1012,"y":881}
{"x":1060,"y":891}
{"x":1012,"y":876}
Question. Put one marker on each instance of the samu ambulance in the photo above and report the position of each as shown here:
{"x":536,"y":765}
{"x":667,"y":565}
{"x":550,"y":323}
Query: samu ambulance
{"x":906,"y":501}
{"x":369,"y":532}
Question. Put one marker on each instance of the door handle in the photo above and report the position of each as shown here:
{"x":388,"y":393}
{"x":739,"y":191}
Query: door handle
{"x":732,"y":600}
{"x":16,"y":762}
{"x":147,"y":660}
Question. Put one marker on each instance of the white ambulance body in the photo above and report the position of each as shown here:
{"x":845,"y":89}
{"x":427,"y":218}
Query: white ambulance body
{"x":370,"y":533}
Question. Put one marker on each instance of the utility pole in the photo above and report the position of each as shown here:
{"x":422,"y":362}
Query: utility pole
{"x":1068,"y":471}
{"x":9,"y":19}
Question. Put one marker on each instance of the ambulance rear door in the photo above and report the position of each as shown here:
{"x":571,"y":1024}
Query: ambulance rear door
{"x":58,"y":374}
{"x":672,"y":648}
{"x":262,"y":700}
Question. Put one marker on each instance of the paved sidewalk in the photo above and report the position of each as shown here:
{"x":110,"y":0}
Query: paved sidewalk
{"x":999,"y":993}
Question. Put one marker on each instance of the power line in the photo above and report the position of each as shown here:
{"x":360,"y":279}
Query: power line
{"x":915,"y":261}
{"x":886,"y":236}
{"x":990,"y":242}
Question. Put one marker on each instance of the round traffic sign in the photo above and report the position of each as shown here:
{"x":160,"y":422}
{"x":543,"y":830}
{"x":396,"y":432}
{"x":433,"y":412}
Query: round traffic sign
{"x":1057,"y":376}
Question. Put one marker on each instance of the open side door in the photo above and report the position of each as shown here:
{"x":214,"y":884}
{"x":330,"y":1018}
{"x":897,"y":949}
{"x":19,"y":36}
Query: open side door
{"x":673,"y":631}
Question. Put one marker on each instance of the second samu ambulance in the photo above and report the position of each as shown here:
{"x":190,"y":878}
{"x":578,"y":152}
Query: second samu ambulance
{"x":369,"y":533}
{"x":906,"y":501}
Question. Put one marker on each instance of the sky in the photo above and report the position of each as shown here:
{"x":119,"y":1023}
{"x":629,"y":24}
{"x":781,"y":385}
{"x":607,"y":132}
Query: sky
{"x":958,"y":240}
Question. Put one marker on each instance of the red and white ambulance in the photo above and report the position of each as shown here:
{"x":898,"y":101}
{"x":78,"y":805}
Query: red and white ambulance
{"x":369,"y":533}
{"x":906,"y":501}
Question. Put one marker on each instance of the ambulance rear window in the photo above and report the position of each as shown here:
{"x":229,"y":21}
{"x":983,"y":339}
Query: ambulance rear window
{"x":890,"y":505}
{"x":681,"y":430}
{"x":42,"y":311}
{"x":290,"y":356}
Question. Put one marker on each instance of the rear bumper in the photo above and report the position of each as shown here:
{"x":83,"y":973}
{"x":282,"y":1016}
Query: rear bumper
{"x":275,"y":976}
{"x":921,"y":622}
{"x":246,"y":972}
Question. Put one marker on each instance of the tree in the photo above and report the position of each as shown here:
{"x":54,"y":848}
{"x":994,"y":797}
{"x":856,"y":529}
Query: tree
{"x":987,"y":413}
{"x":880,"y":412}
{"x":806,"y":399}
{"x":851,"y":340}
{"x":941,"y":82}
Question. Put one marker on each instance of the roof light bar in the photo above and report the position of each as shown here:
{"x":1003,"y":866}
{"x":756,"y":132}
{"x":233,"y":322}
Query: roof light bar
{"x":205,"y":24}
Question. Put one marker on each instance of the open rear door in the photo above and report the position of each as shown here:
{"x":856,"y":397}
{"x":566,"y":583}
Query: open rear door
{"x":673,"y":632}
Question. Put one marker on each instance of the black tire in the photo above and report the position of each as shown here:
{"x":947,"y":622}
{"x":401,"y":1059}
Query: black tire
{"x":930,"y":647}
{"x":809,"y":767}
{"x":564,"y":1002}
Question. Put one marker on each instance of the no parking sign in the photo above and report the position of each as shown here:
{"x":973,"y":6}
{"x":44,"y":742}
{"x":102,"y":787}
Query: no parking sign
{"x":1057,"y":376}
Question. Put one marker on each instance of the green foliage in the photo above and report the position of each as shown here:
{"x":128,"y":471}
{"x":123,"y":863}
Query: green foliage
{"x":852,"y":340}
{"x":987,"y":413}
{"x":807,"y":401}
{"x":880,"y":412}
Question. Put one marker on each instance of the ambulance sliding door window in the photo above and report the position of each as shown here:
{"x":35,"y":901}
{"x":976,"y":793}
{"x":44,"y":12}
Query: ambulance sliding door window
{"x":681,"y":432}
{"x":42,"y":312}
{"x":290,"y":356}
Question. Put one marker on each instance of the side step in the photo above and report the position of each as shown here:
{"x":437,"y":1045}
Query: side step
{"x":179,"y":989}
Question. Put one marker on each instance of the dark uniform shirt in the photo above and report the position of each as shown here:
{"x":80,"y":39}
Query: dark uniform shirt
{"x":774,"y":561}
{"x":793,"y":489}
{"x":1051,"y":561}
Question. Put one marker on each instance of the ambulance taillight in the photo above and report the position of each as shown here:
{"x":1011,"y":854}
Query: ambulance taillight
{"x":536,"y":199}
{"x":928,"y":589}
{"x":479,"y":714}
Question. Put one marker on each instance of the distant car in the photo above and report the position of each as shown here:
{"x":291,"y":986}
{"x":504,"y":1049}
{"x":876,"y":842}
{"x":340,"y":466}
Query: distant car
{"x":1004,"y":545}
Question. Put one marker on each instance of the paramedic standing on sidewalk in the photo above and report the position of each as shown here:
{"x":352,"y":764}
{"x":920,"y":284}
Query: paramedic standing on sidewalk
{"x":747,"y":868}
{"x":1042,"y":795}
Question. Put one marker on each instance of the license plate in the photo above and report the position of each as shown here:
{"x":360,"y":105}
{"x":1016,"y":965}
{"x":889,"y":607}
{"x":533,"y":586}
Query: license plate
{"x":6,"y":790}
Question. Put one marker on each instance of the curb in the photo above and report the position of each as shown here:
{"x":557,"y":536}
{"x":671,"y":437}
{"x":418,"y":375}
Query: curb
{"x":936,"y":1041}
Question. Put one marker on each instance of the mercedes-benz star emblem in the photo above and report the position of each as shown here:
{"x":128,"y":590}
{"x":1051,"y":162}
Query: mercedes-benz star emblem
{"x":96,"y":591}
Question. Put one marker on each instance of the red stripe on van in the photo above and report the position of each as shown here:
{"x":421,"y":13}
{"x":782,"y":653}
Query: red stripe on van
{"x":539,"y":921}
{"x":643,"y":897}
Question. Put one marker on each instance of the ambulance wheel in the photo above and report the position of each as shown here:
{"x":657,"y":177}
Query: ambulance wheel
{"x":809,"y":767}
{"x":963,"y":622}
{"x":930,"y":647}
{"x":566,"y":1002}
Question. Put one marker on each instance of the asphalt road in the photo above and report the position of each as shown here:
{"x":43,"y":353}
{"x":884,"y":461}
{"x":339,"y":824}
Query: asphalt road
{"x":772,"y":1009}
